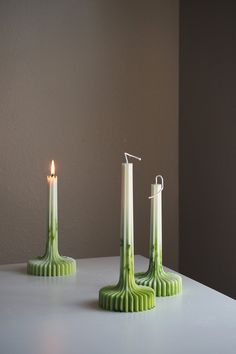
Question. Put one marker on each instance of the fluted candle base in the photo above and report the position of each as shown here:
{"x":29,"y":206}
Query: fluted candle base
{"x":127,"y":296}
{"x":163,"y":283}
{"x":43,"y":266}
{"x":132,"y":299}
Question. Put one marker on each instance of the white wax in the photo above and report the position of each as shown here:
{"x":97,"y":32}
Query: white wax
{"x":156,"y":216}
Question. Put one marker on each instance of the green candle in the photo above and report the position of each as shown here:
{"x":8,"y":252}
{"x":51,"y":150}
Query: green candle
{"x":52,"y":263}
{"x":127,"y":226}
{"x":52,"y":213}
{"x":164,"y":283}
{"x":127,"y":296}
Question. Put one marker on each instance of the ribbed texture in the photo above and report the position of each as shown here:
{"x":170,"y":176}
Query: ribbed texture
{"x":133,"y":299}
{"x":127,"y":296}
{"x":163,"y":283}
{"x":44,"y":267}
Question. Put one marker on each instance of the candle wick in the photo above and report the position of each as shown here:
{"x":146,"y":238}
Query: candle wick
{"x":162,"y":180}
{"x":135,"y":157}
{"x":162,"y":186}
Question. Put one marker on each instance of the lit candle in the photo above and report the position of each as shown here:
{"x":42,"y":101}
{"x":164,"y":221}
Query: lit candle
{"x":52,"y":263}
{"x":53,"y":211}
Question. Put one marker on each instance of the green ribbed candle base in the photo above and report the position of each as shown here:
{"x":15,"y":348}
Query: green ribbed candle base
{"x":132,"y":299}
{"x":163,"y":283}
{"x":43,"y":266}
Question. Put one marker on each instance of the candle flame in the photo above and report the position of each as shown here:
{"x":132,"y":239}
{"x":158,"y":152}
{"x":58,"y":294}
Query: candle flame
{"x":52,"y":168}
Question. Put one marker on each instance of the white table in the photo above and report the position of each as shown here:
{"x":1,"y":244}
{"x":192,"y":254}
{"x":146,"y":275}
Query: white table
{"x":61,"y":316}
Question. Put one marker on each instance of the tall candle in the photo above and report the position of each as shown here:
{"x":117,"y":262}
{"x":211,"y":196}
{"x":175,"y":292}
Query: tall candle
{"x":127,"y":221}
{"x":53,"y":210}
{"x":156,"y":224}
{"x":164,"y":283}
{"x":127,"y":296}
{"x":52,"y":263}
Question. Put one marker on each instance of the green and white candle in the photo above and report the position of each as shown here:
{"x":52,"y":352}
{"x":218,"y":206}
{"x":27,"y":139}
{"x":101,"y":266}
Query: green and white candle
{"x":156,"y":222}
{"x":127,"y":296}
{"x":52,"y":211}
{"x":127,"y":224}
{"x":52,"y":263}
{"x":163,"y":283}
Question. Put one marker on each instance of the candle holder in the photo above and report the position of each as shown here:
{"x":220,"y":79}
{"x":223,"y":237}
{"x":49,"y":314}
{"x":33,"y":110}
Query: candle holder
{"x":127,"y":296}
{"x":52,"y":263}
{"x":163,"y":283}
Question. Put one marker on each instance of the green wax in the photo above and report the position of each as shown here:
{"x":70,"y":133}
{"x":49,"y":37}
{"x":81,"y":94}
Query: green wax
{"x":51,"y":263}
{"x":164,"y":283}
{"x":127,"y":296}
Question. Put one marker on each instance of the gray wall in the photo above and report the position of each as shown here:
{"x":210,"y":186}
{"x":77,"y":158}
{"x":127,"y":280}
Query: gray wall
{"x":208,"y":142}
{"x":82,"y":82}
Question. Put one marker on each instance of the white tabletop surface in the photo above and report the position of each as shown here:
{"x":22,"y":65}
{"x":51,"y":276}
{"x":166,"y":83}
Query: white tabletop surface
{"x":61,"y":316}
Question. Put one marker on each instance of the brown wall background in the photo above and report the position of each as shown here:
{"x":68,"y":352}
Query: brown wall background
{"x":82,"y":82}
{"x":208,"y":142}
